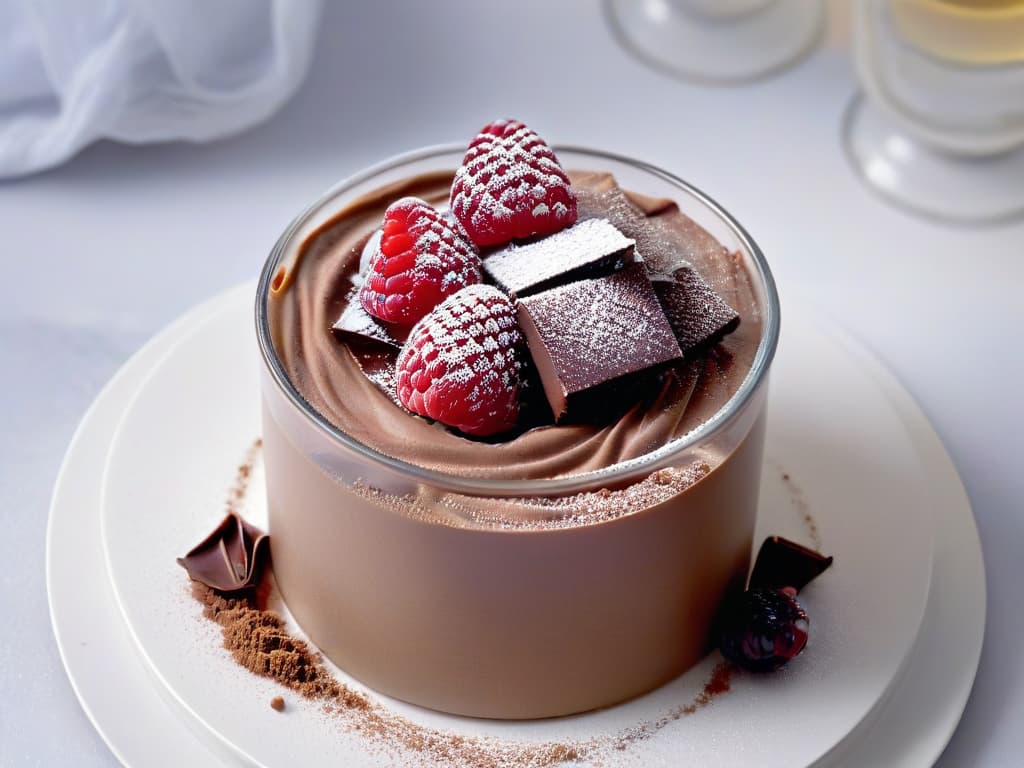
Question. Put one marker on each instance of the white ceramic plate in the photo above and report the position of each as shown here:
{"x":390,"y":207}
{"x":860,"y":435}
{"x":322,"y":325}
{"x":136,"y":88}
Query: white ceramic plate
{"x":97,"y":651}
{"x":912,"y":726}
{"x":909,"y":729}
{"x":833,"y":428}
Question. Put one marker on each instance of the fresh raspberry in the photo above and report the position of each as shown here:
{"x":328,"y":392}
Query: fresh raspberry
{"x":460,"y":363}
{"x":421,"y":259}
{"x":510,"y":186}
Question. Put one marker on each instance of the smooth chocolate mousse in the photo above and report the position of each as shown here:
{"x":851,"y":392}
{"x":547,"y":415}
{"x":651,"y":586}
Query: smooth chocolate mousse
{"x":329,"y":376}
{"x":403,"y":551}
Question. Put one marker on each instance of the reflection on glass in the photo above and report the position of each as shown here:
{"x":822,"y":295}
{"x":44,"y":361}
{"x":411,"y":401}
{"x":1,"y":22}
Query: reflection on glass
{"x":969,"y":31}
{"x":717,"y":40}
{"x":939,"y":128}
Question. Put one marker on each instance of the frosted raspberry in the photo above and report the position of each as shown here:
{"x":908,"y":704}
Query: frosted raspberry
{"x":510,"y":186}
{"x":421,"y":259}
{"x":460,"y":363}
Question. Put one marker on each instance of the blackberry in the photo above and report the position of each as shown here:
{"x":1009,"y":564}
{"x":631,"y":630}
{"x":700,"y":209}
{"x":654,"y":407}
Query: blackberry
{"x":763,"y":628}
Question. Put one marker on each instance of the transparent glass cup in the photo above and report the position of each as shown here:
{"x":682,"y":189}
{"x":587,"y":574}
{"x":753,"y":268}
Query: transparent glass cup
{"x":475,"y":596}
{"x":939,"y":126}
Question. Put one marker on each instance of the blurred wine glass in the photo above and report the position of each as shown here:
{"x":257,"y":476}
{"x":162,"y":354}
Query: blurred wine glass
{"x":939,"y":126}
{"x":718,"y":41}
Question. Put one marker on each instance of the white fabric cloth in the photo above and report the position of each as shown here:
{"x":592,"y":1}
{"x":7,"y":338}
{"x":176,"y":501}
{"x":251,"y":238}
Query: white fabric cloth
{"x":73,"y":71}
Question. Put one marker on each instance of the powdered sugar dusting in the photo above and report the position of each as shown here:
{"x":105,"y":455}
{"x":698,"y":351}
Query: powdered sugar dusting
{"x":667,"y":241}
{"x":595,"y":330}
{"x":696,"y":313}
{"x":586,"y":247}
{"x":580,"y":509}
{"x":355,"y":320}
{"x":511,"y":186}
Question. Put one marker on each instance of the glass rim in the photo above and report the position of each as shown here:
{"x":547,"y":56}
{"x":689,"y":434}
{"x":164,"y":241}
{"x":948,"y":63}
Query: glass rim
{"x":574,"y":483}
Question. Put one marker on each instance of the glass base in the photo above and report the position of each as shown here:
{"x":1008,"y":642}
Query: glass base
{"x":957,"y":189}
{"x":725,"y":42}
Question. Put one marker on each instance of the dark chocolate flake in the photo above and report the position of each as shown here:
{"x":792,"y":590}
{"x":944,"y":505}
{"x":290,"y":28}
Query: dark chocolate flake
{"x":598,"y":335}
{"x":379,"y":368}
{"x":231,"y":558}
{"x":356,"y":322}
{"x":783,"y":563}
{"x":697,"y":314}
{"x":586,"y":249}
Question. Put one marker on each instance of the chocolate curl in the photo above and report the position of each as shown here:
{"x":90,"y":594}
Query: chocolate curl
{"x":231,"y":558}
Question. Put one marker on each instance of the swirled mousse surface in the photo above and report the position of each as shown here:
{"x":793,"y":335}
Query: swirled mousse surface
{"x":326,"y":370}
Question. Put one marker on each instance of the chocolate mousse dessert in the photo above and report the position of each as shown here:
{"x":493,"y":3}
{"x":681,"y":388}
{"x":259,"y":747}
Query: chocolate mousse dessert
{"x":513,"y":424}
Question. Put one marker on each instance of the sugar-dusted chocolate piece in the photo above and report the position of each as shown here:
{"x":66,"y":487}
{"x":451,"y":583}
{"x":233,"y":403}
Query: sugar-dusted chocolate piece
{"x":378,"y":365}
{"x":231,"y":558}
{"x":357,"y":322}
{"x":665,"y":237}
{"x":783,"y":563}
{"x":592,"y":335}
{"x":586,"y":249}
{"x":697,"y":314}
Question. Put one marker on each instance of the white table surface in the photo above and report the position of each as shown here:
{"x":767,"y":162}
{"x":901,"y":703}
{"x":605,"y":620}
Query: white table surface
{"x":101,"y":253}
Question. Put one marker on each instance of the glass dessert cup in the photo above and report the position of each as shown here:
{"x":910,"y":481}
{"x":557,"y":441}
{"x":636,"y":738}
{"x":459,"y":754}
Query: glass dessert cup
{"x":936,"y":129}
{"x":504,"y":598}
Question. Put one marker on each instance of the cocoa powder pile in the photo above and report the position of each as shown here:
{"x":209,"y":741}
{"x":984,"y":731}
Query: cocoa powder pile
{"x":259,"y":641}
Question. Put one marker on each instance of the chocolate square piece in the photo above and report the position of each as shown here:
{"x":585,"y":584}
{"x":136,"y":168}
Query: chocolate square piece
{"x":590,"y":335}
{"x":665,"y":237}
{"x":586,"y":249}
{"x":356,"y":322}
{"x":697,"y":314}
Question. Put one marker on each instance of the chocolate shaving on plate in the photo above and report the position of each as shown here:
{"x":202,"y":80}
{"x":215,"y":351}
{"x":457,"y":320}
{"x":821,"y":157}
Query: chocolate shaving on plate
{"x":356,"y":322}
{"x":783,"y":563}
{"x":231,"y":558}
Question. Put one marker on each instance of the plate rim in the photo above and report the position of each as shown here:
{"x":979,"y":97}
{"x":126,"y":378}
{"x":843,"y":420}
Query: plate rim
{"x":120,"y":387}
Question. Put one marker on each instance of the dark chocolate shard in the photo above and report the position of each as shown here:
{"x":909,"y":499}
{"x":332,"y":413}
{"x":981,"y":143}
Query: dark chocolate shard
{"x":697,"y":314}
{"x":665,"y":237}
{"x":373,"y":344}
{"x":587,"y":249}
{"x":379,"y":367}
{"x":783,"y":563}
{"x":231,"y":558}
{"x":370,"y":248}
{"x":356,"y":322}
{"x":596,"y":338}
